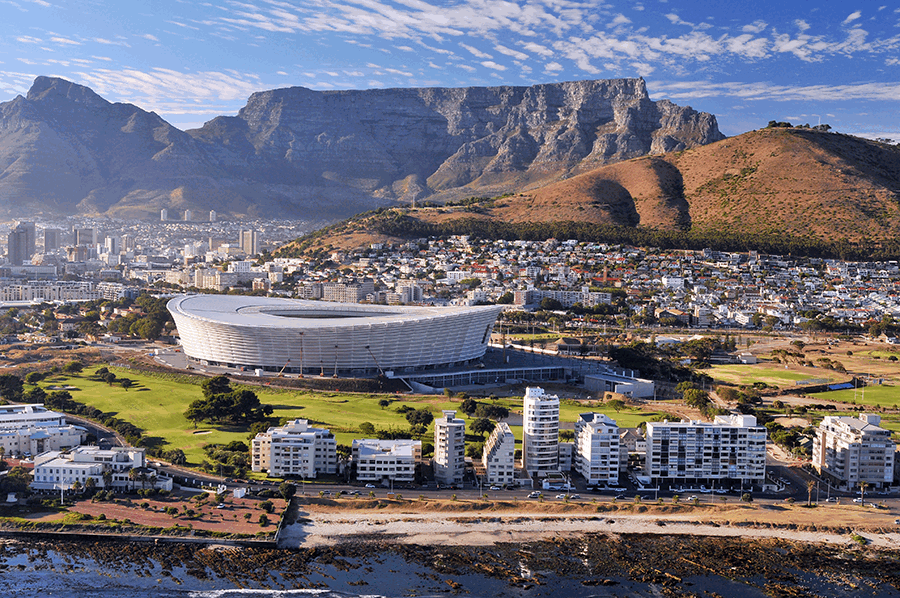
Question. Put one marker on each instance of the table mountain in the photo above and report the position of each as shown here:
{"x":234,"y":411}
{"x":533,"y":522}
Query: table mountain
{"x":300,"y":153}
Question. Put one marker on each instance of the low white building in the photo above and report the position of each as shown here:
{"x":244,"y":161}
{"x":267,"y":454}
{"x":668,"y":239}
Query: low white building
{"x":34,"y":429}
{"x":499,"y":456}
{"x":294,"y":450}
{"x":849,"y":451}
{"x":55,"y":470}
{"x":597,"y":452}
{"x":385,"y":460}
{"x":449,"y":449}
{"x":34,"y":440}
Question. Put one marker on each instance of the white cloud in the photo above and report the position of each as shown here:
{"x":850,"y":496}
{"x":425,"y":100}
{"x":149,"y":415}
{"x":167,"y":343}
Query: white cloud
{"x":755,"y":27}
{"x":65,"y":41}
{"x":109,"y":42}
{"x":466,"y":67}
{"x":475,"y":51}
{"x":405,"y":48}
{"x":27,"y":39}
{"x":398,"y":72}
{"x":553,"y":67}
{"x":150,"y":37}
{"x":682,"y":90}
{"x":510,"y":52}
{"x":493,"y":65}
{"x":851,"y":17}
{"x":538,"y":49}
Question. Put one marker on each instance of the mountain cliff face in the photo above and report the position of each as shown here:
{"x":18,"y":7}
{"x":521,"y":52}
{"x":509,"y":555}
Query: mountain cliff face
{"x":302,"y":153}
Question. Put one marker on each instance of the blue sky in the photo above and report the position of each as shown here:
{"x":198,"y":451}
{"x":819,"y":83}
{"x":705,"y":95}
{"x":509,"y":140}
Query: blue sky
{"x":746,"y":62}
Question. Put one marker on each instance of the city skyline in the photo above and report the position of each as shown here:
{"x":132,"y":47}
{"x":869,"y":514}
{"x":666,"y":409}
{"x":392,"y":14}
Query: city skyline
{"x":746,"y":64}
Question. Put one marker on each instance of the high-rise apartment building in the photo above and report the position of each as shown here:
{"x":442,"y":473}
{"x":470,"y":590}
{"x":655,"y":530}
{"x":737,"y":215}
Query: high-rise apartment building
{"x":212,"y":215}
{"x":849,"y":451}
{"x":85,"y":236}
{"x":732,"y":448}
{"x":449,"y":449}
{"x":249,"y":242}
{"x":596,"y":456}
{"x":294,"y":449}
{"x":188,"y":215}
{"x":386,"y":460}
{"x":51,"y":239}
{"x":347,"y":292}
{"x":540,"y":438}
{"x":20,"y":244}
{"x":499,"y":456}
{"x":163,"y":215}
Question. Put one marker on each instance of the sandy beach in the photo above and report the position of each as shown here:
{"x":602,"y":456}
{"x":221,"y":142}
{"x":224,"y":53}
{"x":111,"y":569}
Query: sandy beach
{"x":329,"y":525}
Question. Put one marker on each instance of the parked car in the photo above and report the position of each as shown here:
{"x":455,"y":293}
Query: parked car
{"x":535,"y":494}
{"x":858,"y":500}
{"x":370,"y":485}
{"x":575,"y":497}
{"x":831,"y":499}
{"x":561,"y":496}
{"x":495,"y":487}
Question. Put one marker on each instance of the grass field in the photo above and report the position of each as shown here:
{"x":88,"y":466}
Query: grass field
{"x":769,"y":374}
{"x":886,"y":395}
{"x":156,"y":404}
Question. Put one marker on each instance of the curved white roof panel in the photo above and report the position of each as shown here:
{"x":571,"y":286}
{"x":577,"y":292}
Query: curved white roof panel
{"x":351,"y":338}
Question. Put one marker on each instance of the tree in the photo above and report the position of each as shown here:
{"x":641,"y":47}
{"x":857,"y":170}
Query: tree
{"x":287,"y":490}
{"x":617,"y":404}
{"x":419,"y":416}
{"x":109,"y":378}
{"x":176,"y":457}
{"x":216,"y":385}
{"x":126,"y":383}
{"x":34,"y":377}
{"x":482,"y":426}
{"x":90,"y":484}
{"x":367,"y":428}
{"x":132,"y":477}
{"x":810,"y":486}
{"x":468,"y":406}
{"x":73,"y":367}
{"x":384,"y":403}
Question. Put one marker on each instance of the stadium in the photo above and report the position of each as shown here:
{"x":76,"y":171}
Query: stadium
{"x":318,"y":337}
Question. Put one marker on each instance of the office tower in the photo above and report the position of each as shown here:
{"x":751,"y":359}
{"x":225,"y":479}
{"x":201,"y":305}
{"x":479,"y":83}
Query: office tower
{"x":249,"y":242}
{"x":212,"y":215}
{"x":127,"y":243}
{"x":17,"y":248}
{"x":51,"y":239}
{"x":449,"y":449}
{"x":85,"y":236}
{"x":540,"y":439}
{"x":188,"y":216}
{"x":111,"y":244}
{"x":163,"y":215}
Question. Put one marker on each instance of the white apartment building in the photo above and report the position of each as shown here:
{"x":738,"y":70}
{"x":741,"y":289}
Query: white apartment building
{"x":449,"y":449}
{"x":294,"y":450}
{"x":33,"y":414}
{"x":540,"y":438}
{"x":731,"y":448}
{"x":385,"y":460}
{"x":34,"y":440}
{"x":499,"y":456}
{"x":55,"y":470}
{"x":849,"y":450}
{"x":597,"y":453}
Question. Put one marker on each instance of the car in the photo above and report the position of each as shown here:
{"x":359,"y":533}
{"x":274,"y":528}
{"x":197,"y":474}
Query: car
{"x":831,"y":499}
{"x":857,"y":500}
{"x":561,"y":496}
{"x":575,"y":497}
{"x":495,"y":487}
{"x":221,"y":505}
{"x":693,"y":497}
{"x":535,"y":495}
{"x":353,"y":493}
{"x":621,"y":497}
{"x":370,"y":485}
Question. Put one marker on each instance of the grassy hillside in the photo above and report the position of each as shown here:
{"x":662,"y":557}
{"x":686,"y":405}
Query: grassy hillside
{"x":780,"y":189}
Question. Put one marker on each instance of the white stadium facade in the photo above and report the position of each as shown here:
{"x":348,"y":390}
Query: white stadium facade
{"x":320,"y":337}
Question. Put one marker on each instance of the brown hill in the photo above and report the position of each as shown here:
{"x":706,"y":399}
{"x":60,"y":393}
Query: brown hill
{"x":793,"y":182}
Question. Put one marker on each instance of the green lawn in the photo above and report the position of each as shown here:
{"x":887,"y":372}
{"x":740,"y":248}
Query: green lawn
{"x":156,"y":403}
{"x":773,"y":375}
{"x":878,"y":394}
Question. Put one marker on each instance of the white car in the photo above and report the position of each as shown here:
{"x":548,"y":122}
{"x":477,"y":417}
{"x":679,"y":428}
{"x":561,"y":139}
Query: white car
{"x":370,"y":485}
{"x":495,"y":487}
{"x":534,"y":495}
{"x":858,"y":500}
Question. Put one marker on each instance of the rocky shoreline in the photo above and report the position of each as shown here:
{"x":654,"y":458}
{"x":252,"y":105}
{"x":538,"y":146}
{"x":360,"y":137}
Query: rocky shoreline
{"x":567,"y":565}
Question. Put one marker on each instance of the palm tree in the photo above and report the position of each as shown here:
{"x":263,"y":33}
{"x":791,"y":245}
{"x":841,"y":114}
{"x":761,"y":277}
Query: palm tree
{"x":142,"y":476}
{"x":810,"y":485}
{"x":132,"y":476}
{"x":862,"y":492}
{"x":107,"y":477}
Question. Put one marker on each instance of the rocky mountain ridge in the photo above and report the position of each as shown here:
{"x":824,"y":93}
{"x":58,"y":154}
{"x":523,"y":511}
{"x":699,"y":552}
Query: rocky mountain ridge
{"x":296,"y":152}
